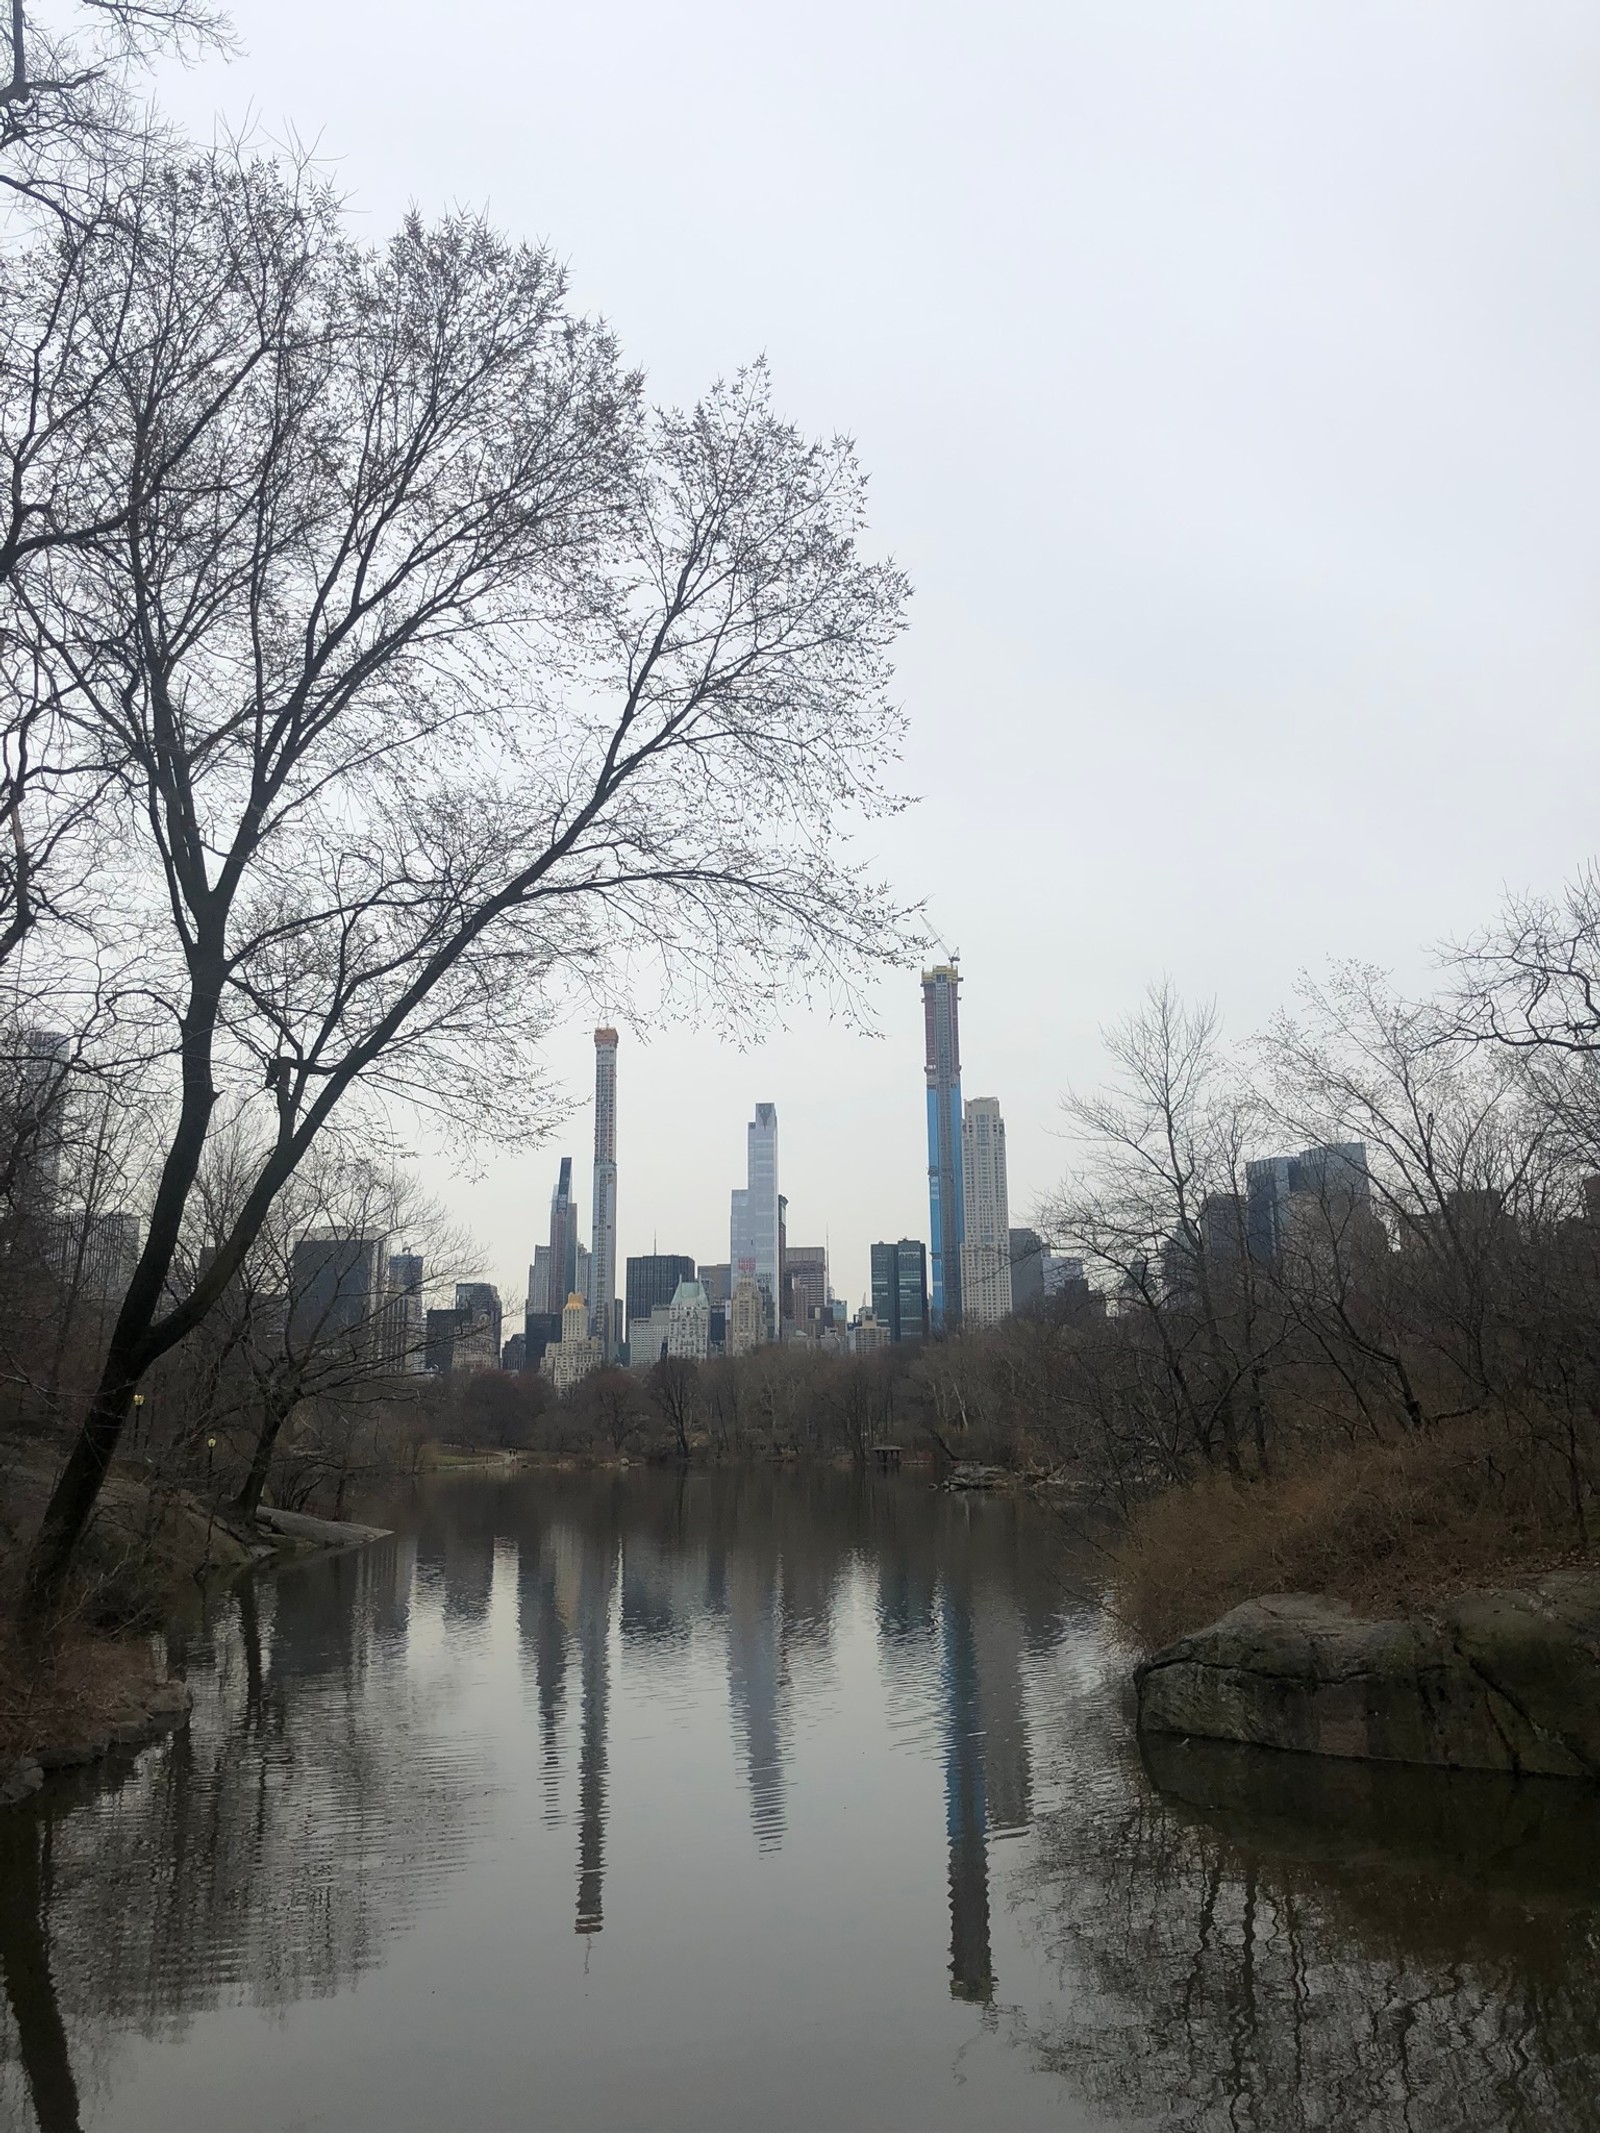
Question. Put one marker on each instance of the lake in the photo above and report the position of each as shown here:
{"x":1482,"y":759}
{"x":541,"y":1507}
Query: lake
{"x":768,"y":1798}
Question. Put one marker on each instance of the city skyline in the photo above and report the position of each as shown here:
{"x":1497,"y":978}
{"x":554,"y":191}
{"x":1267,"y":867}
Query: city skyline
{"x":687,"y":1149}
{"x":1262,"y":524}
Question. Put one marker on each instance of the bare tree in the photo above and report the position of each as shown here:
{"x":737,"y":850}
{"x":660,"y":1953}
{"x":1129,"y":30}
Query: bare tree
{"x":671,"y":1384}
{"x":442,"y":678}
{"x":69,"y":72}
{"x":309,"y":1315}
{"x":1160,"y":1210}
{"x":77,"y":325}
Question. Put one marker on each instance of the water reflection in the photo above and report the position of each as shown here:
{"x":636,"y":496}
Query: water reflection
{"x":1285,"y":1942}
{"x":502,"y":1728}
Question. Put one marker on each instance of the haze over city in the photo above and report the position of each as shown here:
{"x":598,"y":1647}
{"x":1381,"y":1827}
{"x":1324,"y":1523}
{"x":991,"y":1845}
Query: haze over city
{"x":1224,"y":375}
{"x":800,"y":1066}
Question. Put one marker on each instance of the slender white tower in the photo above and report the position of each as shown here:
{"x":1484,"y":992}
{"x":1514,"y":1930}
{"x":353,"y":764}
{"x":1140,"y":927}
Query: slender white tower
{"x":986,"y":1242}
{"x":603,"y":1254}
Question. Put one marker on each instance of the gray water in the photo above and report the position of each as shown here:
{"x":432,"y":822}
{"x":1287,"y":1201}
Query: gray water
{"x":762,"y":1800}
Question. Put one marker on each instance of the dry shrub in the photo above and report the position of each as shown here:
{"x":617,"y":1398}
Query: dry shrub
{"x":74,"y":1691}
{"x":1386,"y":1527}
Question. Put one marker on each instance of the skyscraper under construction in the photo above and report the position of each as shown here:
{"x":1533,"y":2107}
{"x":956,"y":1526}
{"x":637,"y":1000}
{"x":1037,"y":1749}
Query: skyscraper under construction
{"x":941,"y":987}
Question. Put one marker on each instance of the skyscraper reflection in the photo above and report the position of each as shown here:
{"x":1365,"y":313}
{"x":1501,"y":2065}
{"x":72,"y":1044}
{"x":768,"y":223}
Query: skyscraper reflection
{"x":755,"y":1677}
{"x":542,"y":1634}
{"x":596,"y":1582}
{"x":965,"y":1801}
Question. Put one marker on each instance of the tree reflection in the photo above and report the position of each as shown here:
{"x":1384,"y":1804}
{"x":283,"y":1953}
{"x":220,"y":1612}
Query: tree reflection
{"x":42,"y":2050}
{"x":1285,"y":1942}
{"x":1242,"y":1939}
{"x":265,"y":1854}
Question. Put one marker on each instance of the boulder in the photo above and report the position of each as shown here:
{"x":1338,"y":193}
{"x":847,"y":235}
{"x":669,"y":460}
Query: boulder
{"x":20,"y":1776}
{"x":1506,"y":1680}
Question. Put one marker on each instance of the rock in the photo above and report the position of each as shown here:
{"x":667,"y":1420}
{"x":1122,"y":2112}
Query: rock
{"x":321,"y":1532}
{"x":72,"y":1758}
{"x":969,"y":1474}
{"x":159,"y":1710}
{"x":1504,"y":1680}
{"x":19,"y":1777}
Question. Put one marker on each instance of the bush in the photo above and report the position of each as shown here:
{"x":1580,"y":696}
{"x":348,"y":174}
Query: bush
{"x":1382,"y":1526}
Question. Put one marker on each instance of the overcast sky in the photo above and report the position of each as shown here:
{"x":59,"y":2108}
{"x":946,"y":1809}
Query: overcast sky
{"x":1227,"y":377}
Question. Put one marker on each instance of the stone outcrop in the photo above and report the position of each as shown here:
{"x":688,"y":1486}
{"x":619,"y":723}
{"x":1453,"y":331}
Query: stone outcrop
{"x":1505,"y":1680}
{"x":135,"y":1719}
{"x":20,"y":1776}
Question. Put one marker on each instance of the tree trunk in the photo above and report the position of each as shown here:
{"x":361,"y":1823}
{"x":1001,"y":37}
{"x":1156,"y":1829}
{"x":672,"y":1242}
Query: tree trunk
{"x":249,"y":1497}
{"x":73,"y":1499}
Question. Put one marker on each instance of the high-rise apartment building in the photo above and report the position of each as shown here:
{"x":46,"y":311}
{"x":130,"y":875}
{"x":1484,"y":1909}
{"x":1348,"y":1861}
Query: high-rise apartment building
{"x":562,"y":1278}
{"x":570,"y":1359}
{"x":1063,"y":1272}
{"x":754,"y":1246}
{"x":603,"y":1256}
{"x":35,"y":1082}
{"x":869,"y":1332}
{"x":689,"y":1331}
{"x":805,"y":1289}
{"x":410,"y":1318}
{"x":747,"y":1316}
{"x":440,"y":1351}
{"x":96,"y":1254}
{"x":986,"y":1238}
{"x":1027,"y":1271}
{"x":941,"y":1018}
{"x":900,"y":1288}
{"x":652,"y":1281}
{"x":1332,"y":1179}
{"x":478,"y":1340}
{"x":335,"y":1291}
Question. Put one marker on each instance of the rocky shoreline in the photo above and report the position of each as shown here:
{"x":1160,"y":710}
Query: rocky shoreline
{"x":1505,"y":1680}
{"x":132,"y":1723}
{"x":127,"y":1703}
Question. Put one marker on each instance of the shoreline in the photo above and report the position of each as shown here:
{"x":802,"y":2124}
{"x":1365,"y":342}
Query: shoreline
{"x":98,"y":1692}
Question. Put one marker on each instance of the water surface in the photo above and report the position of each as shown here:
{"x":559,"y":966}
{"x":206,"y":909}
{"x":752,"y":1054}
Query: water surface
{"x":762,"y":1800}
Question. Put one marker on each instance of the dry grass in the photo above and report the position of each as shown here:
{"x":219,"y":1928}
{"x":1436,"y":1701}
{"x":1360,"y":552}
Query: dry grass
{"x":73,"y":1693}
{"x":1384,"y":1527}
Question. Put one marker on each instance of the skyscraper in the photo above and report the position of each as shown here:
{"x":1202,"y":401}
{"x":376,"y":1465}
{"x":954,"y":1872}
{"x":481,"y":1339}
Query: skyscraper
{"x":941,"y":987}
{"x":689,"y":1334}
{"x":986,"y":1236}
{"x":478,"y":1336}
{"x":405,"y":1286}
{"x":1027,"y":1271}
{"x":603,"y":1257}
{"x":652,"y":1281}
{"x":900,"y":1288}
{"x":539,"y":1280}
{"x":747,"y":1317}
{"x":335,"y":1291}
{"x":563,"y":1275}
{"x":753,"y":1245}
{"x":805,"y":1288}
{"x":1332,"y":1178}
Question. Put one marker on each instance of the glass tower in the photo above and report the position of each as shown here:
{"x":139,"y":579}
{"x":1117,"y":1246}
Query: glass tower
{"x":753,"y":1240}
{"x":946,"y":1220}
{"x":603,"y":1256}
